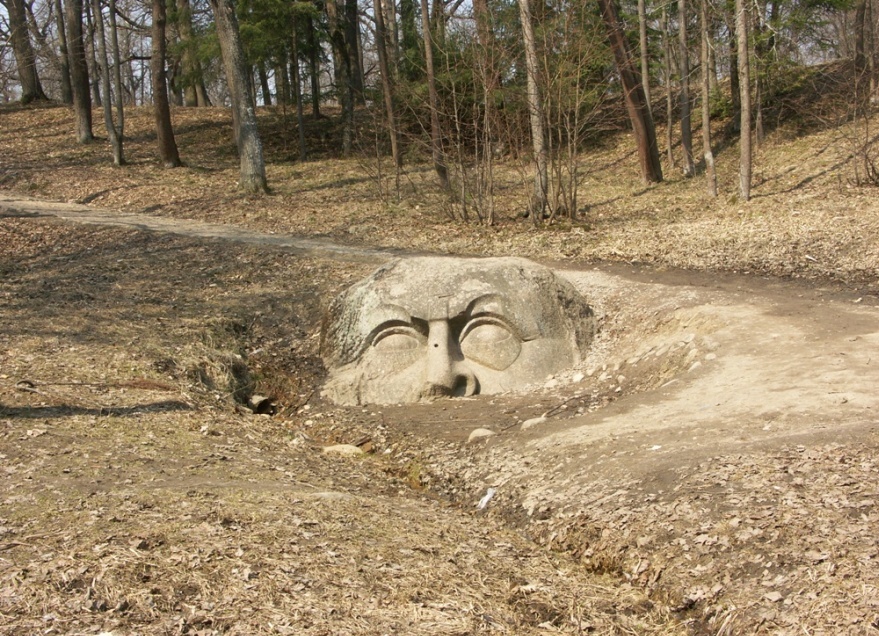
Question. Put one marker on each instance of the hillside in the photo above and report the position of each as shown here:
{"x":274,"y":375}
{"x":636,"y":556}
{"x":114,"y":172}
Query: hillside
{"x":811,"y":214}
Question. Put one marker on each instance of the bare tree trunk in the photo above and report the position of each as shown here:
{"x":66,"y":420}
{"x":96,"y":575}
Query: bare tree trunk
{"x":313,"y":68}
{"x":64,"y":56}
{"x":344,"y":73}
{"x":252,"y":171}
{"x":297,"y":93}
{"x":194,"y":93}
{"x":393,"y":37}
{"x":871,"y":46}
{"x":491,"y":81}
{"x":283,"y":88}
{"x":352,"y":40}
{"x":436,"y":139}
{"x":92,"y":56}
{"x":761,"y":52}
{"x":537,"y":205}
{"x":115,"y":130}
{"x":745,"y":158}
{"x":25,"y":58}
{"x":264,"y":87}
{"x":645,"y":52}
{"x":669,"y":101}
{"x":387,"y":86}
{"x":686,"y":125}
{"x":164,"y":130}
{"x":710,"y":172}
{"x":734,"y":87}
{"x":79,"y":75}
{"x":639,"y":114}
{"x":119,"y":97}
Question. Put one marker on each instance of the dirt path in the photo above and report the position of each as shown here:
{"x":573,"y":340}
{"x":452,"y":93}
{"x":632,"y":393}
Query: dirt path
{"x":14,"y":206}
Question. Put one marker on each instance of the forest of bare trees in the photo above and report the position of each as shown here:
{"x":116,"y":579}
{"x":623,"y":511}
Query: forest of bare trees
{"x":459,"y":83}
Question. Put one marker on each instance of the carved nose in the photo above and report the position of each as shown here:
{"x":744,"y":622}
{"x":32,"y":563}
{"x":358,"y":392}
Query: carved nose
{"x":447,"y":372}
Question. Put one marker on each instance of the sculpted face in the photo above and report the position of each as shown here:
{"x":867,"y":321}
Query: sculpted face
{"x":427,"y":327}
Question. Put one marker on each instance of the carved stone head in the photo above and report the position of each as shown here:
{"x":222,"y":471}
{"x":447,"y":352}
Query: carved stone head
{"x":425,"y":327}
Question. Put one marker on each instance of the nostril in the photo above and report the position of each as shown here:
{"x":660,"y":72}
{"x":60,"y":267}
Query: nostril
{"x":435,"y":344}
{"x":465,"y":386}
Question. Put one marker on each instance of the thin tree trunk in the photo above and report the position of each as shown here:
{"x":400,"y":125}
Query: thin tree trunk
{"x":761,"y":52}
{"x":282,"y":80}
{"x":745,"y":158}
{"x":264,"y":84}
{"x":165,"y":131}
{"x":79,"y":76}
{"x":25,"y":58}
{"x":645,"y":52}
{"x":639,"y":114}
{"x":710,"y":172}
{"x":344,"y":73}
{"x":194,"y":92}
{"x":352,"y":40}
{"x":297,"y":93}
{"x":669,"y":100}
{"x":387,"y":87}
{"x":252,"y":171}
{"x":734,"y":87}
{"x":436,"y":140}
{"x":491,"y":81}
{"x":114,"y":129}
{"x":686,"y":125}
{"x":393,"y":37}
{"x":64,"y":56}
{"x":535,"y":112}
{"x":92,"y":56}
{"x":118,"y":97}
{"x":313,"y":68}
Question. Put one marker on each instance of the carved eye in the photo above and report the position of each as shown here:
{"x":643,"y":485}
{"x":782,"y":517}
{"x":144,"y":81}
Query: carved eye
{"x":397,"y":339}
{"x":490,"y":343}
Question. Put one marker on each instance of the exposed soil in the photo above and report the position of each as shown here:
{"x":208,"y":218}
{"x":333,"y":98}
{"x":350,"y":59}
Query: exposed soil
{"x":709,"y":469}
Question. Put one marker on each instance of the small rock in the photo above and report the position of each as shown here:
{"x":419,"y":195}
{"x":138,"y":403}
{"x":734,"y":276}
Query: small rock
{"x":534,"y":421}
{"x":551,"y":384}
{"x":343,"y":450}
{"x":695,"y":366}
{"x":773,"y":597}
{"x":480,"y":433}
{"x":578,"y":377}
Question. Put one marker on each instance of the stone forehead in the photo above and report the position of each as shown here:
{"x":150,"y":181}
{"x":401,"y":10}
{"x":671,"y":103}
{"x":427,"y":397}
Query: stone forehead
{"x":418,"y":281}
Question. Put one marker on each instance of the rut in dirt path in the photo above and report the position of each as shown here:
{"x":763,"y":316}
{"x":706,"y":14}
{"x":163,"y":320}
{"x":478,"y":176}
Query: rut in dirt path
{"x":17,"y":206}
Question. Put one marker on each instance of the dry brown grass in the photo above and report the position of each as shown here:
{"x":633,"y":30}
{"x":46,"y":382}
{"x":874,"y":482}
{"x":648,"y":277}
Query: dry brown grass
{"x":807,"y":218}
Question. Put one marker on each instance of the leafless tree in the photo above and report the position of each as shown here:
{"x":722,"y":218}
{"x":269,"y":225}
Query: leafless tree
{"x":745,"y":159}
{"x":684,"y":61}
{"x":536,"y":116}
{"x":636,"y":103}
{"x":710,"y":172}
{"x":168,"y":152}
{"x":79,"y":76}
{"x":252,"y":165}
{"x":436,"y":135}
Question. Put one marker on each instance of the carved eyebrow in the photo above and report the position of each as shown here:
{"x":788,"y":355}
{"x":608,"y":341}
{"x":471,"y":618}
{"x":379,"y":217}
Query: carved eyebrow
{"x":389,"y":312}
